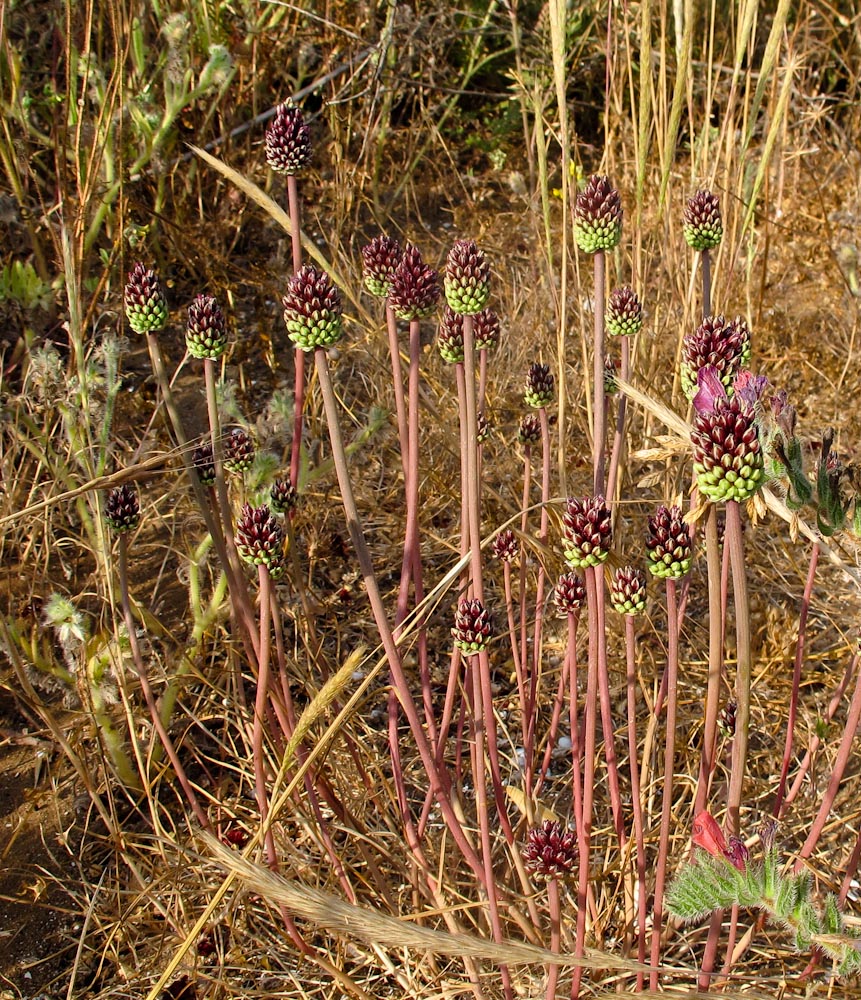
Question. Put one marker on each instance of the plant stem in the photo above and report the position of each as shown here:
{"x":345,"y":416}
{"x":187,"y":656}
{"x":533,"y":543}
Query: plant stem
{"x":585,"y":829}
{"x":599,"y":431}
{"x":636,"y":804}
{"x":796,"y":679}
{"x":293,"y":207}
{"x":735,"y":542}
{"x":669,"y":771}
{"x":158,"y":725}
{"x":363,"y":555}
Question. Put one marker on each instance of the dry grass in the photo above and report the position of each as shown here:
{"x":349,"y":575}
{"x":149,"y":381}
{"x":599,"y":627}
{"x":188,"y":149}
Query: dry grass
{"x":107,"y":893}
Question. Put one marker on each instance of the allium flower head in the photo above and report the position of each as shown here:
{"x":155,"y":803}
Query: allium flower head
{"x":122,"y":508}
{"x":467,"y":278}
{"x":529,"y":431}
{"x":288,"y":140}
{"x":415,"y":286}
{"x":668,"y":544}
{"x":624,"y":313}
{"x":486,"y":325}
{"x":482,"y":428}
{"x":312,"y":309}
{"x":238,"y":451}
{"x":728,"y":460}
{"x":540,"y":386}
{"x":283,"y":496}
{"x":146,"y":306}
{"x":380,"y":258}
{"x":715,"y":343}
{"x":587,"y":531}
{"x":450,"y":340}
{"x":741,"y":332}
{"x":473,"y":627}
{"x":703,"y":226}
{"x":206,"y":332}
{"x":598,"y":216}
{"x":504,"y":546}
{"x":550,"y":852}
{"x":628,"y":591}
{"x":569,"y":594}
{"x":204,"y":463}
{"x":259,"y":537}
{"x":611,"y":376}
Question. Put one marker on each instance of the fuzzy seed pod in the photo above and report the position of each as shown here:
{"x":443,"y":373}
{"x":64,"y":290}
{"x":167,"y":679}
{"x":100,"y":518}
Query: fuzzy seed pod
{"x":598,"y":216}
{"x":146,"y":306}
{"x":238,"y":451}
{"x":380,"y":259}
{"x":204,"y":463}
{"x":467,"y":278}
{"x":539,"y":386}
{"x":283,"y":496}
{"x":504,"y":546}
{"x":714,"y":343}
{"x":587,"y":532}
{"x":728,"y":459}
{"x":473,"y":627}
{"x":569,"y":595}
{"x":414,"y":290}
{"x":628,"y":591}
{"x":288,"y":140}
{"x":312,"y":309}
{"x":624,"y":313}
{"x":703,"y":227}
{"x":259,"y":537}
{"x":551,"y":852}
{"x":122,"y":508}
{"x":668,"y":544}
{"x":206,"y":332}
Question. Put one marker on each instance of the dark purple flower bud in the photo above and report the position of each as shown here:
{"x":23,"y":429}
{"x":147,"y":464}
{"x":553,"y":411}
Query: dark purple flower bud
{"x":486,"y":326}
{"x":551,"y":852}
{"x":204,"y":462}
{"x":598,"y":216}
{"x":238,"y":451}
{"x":737,"y":853}
{"x":312,"y":309}
{"x":288,"y":140}
{"x":283,"y":496}
{"x":504,"y":546}
{"x":415,"y":286}
{"x":206,"y":333}
{"x":529,"y":431}
{"x":628,"y":591}
{"x":540,"y":386}
{"x":569,"y":595}
{"x":668,"y":544}
{"x":146,"y":306}
{"x":380,"y":259}
{"x":709,"y":389}
{"x":703,"y":226}
{"x":473,"y":627}
{"x":122,"y":508}
{"x":624,"y":314}
{"x":467,"y":278}
{"x":259,"y":537}
{"x":450,"y":340}
{"x":587,"y":531}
